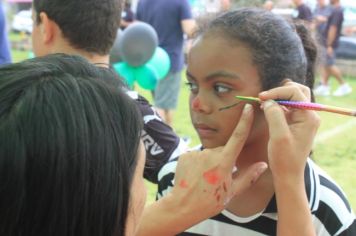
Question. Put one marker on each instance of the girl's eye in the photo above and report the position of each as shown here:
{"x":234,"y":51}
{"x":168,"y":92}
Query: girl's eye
{"x":220,"y":88}
{"x":193,"y":87}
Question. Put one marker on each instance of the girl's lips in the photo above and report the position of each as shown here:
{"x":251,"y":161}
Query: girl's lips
{"x":204,"y":131}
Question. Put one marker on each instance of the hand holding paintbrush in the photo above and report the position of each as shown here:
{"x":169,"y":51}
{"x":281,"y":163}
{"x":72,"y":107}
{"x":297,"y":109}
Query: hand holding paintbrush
{"x":305,"y":106}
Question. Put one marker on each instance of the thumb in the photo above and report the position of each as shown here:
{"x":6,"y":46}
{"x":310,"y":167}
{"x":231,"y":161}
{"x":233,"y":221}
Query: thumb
{"x":238,"y":137}
{"x":242,"y":181}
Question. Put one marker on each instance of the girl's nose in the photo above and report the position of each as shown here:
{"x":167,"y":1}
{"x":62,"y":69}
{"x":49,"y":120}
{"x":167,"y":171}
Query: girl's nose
{"x":200,"y":105}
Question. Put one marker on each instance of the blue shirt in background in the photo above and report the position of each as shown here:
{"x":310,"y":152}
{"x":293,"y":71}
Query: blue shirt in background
{"x":5,"y":55}
{"x":325,"y":12}
{"x":335,"y":19}
{"x":165,"y":17}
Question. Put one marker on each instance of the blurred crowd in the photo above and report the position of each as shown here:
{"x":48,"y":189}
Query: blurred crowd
{"x":326,"y":21}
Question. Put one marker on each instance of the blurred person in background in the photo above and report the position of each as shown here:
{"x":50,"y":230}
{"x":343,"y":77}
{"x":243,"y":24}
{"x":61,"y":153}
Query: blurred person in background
{"x":5,"y":55}
{"x":330,"y":41}
{"x":127,"y":15}
{"x":321,"y":14}
{"x":171,"y":21}
{"x":303,"y":12}
{"x":320,"y":18}
{"x":225,"y":5}
{"x":268,"y":5}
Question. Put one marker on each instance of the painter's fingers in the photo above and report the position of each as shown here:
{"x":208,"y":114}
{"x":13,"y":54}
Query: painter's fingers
{"x":243,"y":181}
{"x":304,"y":89}
{"x":275,"y":117}
{"x":290,"y":91}
{"x":238,"y":137}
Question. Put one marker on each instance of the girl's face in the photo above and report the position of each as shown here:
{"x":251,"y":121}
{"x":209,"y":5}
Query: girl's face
{"x":217,"y":72}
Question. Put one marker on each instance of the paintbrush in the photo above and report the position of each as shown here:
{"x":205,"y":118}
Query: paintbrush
{"x":304,"y":105}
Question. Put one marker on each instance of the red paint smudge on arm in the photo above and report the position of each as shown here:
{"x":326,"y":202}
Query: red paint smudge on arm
{"x":211,"y":176}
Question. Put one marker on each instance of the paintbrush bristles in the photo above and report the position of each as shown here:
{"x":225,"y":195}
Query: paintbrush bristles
{"x":248,"y":98}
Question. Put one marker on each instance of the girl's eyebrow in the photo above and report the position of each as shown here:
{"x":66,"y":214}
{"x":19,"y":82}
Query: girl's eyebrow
{"x":217,"y":74}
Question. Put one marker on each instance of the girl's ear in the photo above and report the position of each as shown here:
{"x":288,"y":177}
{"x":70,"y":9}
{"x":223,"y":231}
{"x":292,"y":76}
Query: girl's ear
{"x":47,"y":28}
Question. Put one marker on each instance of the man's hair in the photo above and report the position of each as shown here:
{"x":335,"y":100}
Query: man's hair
{"x":90,"y":25}
{"x":68,"y":149}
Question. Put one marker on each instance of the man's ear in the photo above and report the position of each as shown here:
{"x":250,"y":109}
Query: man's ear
{"x":47,"y":28}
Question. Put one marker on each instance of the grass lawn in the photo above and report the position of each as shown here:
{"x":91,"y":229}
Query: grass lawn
{"x":334,"y":149}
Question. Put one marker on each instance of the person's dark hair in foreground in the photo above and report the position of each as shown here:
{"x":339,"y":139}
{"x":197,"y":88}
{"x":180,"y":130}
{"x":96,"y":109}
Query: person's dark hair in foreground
{"x":68,"y":149}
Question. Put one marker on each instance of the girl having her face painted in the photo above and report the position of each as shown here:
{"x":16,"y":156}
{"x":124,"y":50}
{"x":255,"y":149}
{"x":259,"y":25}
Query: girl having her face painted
{"x":252,"y":52}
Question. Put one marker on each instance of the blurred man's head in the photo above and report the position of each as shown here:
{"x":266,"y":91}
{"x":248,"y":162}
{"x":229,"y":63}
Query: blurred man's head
{"x":225,"y":5}
{"x":268,"y":5}
{"x":298,"y":2}
{"x":88,"y":26}
{"x":321,"y":3}
{"x":334,"y":2}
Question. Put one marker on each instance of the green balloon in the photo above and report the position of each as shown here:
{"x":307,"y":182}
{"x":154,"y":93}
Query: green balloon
{"x":125,"y":71}
{"x":31,"y":55}
{"x":146,"y":77}
{"x":160,"y":62}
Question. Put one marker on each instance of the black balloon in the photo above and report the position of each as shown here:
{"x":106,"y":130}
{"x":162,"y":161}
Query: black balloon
{"x":137,"y":43}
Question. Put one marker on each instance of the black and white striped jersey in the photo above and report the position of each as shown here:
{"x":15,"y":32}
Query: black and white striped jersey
{"x":331,"y":212}
{"x":162,"y":144}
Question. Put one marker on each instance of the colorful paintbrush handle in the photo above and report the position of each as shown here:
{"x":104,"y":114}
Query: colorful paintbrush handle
{"x":301,"y":105}
{"x":317,"y":107}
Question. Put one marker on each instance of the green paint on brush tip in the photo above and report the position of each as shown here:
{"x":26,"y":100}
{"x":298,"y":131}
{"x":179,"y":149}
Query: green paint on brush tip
{"x":244,"y":98}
